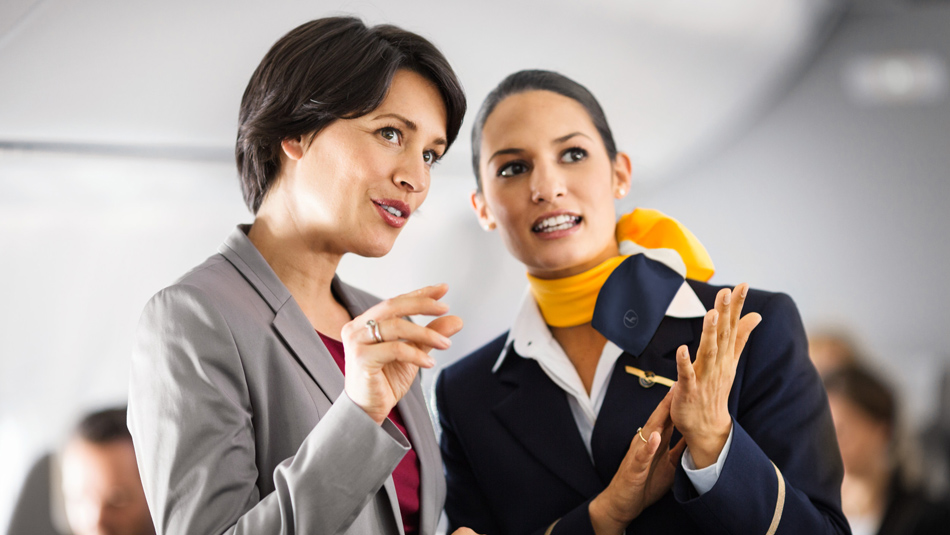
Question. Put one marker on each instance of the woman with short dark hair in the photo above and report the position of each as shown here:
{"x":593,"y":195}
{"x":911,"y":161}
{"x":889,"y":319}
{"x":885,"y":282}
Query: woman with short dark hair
{"x":267,"y":396}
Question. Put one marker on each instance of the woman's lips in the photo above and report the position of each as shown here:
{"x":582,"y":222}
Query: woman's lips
{"x":394,"y":213}
{"x":556,"y":225}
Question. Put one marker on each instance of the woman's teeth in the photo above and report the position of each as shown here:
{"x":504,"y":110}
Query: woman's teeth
{"x":558,"y":222}
{"x":392,"y":210}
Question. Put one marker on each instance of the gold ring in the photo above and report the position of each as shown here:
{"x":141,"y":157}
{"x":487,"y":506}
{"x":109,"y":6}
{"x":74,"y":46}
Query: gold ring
{"x":640,"y":434}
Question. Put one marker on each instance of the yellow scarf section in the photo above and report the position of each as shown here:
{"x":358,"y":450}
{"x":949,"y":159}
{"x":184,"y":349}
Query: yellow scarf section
{"x":570,"y":301}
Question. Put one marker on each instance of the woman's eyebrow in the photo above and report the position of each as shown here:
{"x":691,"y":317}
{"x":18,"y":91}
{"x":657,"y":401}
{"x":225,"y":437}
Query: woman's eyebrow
{"x":410,"y":125}
{"x":505,"y":151}
{"x":562,"y":139}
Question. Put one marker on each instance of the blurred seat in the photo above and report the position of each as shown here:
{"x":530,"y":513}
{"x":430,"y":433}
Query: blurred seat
{"x":38,"y":510}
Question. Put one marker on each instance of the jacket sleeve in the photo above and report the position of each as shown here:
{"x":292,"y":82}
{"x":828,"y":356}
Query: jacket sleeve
{"x":783,"y":472}
{"x":193,"y":430}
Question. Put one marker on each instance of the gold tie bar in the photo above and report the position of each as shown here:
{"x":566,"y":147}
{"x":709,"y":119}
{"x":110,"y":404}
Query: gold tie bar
{"x":648,"y":379}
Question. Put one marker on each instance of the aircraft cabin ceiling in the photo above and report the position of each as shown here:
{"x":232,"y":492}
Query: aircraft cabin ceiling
{"x":164,"y":79}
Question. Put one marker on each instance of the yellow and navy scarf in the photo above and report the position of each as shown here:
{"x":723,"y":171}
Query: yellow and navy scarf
{"x":570,"y":301}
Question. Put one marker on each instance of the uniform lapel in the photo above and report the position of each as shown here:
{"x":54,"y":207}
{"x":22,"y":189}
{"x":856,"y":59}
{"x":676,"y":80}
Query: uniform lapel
{"x":629,"y":402}
{"x":415,"y":415}
{"x":537,"y":414}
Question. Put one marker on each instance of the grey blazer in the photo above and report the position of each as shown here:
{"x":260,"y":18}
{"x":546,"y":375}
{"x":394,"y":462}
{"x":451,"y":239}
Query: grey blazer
{"x":239,"y":418}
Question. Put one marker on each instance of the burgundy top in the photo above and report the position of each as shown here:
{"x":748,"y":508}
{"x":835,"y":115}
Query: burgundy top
{"x":406,"y":474}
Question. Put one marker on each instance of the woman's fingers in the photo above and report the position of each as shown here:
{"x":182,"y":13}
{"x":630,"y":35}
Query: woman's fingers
{"x":377,"y":356}
{"x":400,"y":329}
{"x":708,"y":342}
{"x":407,"y":305}
{"x":685,"y":373}
{"x":746,"y":325}
{"x":643,"y":452}
{"x":677,"y":451}
{"x":661,"y":414}
{"x":446,"y":325}
{"x":735,"y":313}
{"x":724,"y":324}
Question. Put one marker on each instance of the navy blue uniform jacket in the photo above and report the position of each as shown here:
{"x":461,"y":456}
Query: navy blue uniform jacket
{"x":515,"y":461}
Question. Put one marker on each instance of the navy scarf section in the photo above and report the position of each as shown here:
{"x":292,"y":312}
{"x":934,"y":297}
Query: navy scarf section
{"x":633,"y":302}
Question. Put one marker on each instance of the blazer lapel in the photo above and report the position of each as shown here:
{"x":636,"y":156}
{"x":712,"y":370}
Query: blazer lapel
{"x":629,"y":402}
{"x":356,"y":302}
{"x":304,"y":343}
{"x":537,"y":414}
{"x":412,"y":408}
{"x":289,"y":320}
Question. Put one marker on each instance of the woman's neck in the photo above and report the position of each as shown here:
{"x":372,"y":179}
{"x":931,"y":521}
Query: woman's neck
{"x":306,"y":271}
{"x":583,"y":346}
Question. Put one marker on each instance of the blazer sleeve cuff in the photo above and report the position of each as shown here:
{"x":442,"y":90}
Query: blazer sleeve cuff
{"x":704,"y":479}
{"x":348,"y":446}
{"x":748,"y":497}
{"x":576,"y":522}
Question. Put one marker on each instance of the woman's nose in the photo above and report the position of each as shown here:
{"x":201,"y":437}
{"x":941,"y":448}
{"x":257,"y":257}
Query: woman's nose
{"x":546,"y":184}
{"x":412,"y":175}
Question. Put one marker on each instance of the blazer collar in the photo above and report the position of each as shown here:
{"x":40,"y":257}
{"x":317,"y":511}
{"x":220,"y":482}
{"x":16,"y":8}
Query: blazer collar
{"x":537,"y":414}
{"x":289,"y":320}
{"x":305,"y":344}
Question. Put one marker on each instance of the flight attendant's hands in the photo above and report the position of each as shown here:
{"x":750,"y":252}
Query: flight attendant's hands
{"x":645,"y":474}
{"x":379,"y":373}
{"x":700,"y":408}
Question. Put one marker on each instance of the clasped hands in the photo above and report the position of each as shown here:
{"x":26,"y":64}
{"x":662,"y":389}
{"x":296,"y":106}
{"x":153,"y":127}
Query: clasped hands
{"x":696,"y":405}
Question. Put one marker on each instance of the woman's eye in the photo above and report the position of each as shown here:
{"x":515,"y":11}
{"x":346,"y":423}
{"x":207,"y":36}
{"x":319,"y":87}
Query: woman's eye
{"x":573,"y":155}
{"x":430,"y":157}
{"x":389,"y":134}
{"x":512,"y":169}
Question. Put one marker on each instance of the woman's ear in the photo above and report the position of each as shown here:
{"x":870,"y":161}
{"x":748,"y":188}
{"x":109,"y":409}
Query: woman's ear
{"x":293,"y":147}
{"x":482,"y":212}
{"x":622,"y":175}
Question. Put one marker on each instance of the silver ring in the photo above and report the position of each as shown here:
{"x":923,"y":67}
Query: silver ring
{"x":373,"y":329}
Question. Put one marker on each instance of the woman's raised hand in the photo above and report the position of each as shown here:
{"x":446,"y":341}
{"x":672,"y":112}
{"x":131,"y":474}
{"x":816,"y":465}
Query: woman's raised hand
{"x":700,"y":408}
{"x":645,"y":474}
{"x":380,"y":371}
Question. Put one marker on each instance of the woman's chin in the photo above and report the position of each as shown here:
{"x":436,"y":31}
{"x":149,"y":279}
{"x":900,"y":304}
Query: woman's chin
{"x":375,"y":250}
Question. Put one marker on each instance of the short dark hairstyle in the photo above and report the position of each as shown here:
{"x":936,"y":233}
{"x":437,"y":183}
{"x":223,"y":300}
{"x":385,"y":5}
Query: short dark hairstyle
{"x":865,"y":390}
{"x":104,"y":426}
{"x":538,"y":80}
{"x":324,"y":70}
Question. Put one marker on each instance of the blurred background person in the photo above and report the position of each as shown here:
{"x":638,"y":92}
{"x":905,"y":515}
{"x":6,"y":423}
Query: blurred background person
{"x":831,"y":350}
{"x":91,"y":488}
{"x":102,"y":489}
{"x":880,"y":494}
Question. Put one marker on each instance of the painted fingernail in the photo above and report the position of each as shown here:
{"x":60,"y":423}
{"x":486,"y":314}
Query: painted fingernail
{"x":445,"y":341}
{"x":727,"y":298}
{"x":745,"y":291}
{"x":715,"y":316}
